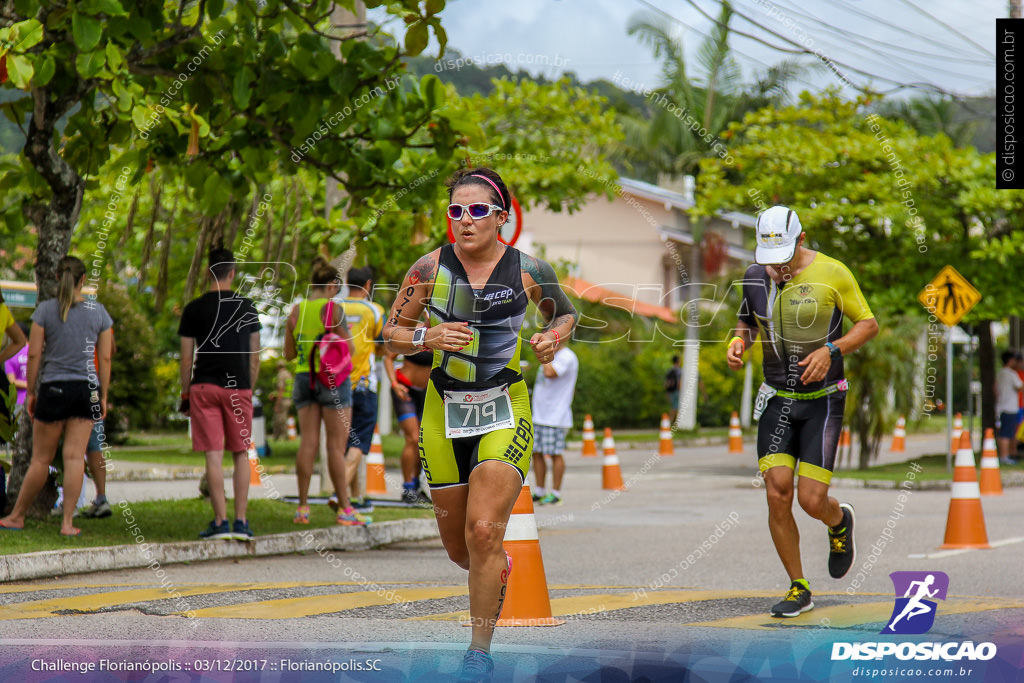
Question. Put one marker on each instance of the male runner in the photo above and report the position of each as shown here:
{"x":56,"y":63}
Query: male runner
{"x":795,"y":298}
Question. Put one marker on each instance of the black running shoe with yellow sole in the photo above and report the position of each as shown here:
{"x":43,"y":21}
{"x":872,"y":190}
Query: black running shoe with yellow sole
{"x":842,"y":550}
{"x":796,"y":602}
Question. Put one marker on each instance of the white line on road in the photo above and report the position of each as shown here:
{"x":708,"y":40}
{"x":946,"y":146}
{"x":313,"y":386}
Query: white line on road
{"x":961,"y":551}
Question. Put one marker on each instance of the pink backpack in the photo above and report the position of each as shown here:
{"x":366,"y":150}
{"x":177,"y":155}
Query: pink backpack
{"x":335,"y":357}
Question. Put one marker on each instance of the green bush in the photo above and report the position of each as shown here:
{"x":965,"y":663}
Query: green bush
{"x":135,"y":398}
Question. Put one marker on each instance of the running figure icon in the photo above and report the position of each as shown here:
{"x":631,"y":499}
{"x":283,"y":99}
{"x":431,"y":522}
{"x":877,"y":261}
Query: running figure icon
{"x":915,"y":606}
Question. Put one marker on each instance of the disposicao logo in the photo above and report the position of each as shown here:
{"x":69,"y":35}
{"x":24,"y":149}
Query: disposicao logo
{"x":914,"y":614}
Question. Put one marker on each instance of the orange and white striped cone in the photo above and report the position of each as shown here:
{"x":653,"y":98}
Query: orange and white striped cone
{"x":899,"y":436}
{"x":845,"y":440}
{"x":665,"y":446}
{"x":375,"y":484}
{"x":965,"y":524}
{"x":735,"y":434}
{"x":958,"y":428}
{"x":527,"y":602}
{"x":589,"y":442}
{"x":292,"y":433}
{"x":254,"y":467}
{"x":991,"y":483}
{"x":611,"y":475}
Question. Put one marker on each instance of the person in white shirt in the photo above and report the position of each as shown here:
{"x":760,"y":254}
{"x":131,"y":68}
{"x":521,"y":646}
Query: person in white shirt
{"x":552,"y":418}
{"x":1008,"y":384}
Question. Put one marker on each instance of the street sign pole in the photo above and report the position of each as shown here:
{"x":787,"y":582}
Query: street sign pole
{"x":949,"y":398}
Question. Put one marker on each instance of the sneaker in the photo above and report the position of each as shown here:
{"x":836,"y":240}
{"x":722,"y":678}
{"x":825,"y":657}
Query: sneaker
{"x":797,"y":601}
{"x":217,"y":531}
{"x":241,"y":531}
{"x":536,"y":498}
{"x":350,"y":517}
{"x":332,"y":503}
{"x":477,"y":667}
{"x":97,"y":510}
{"x":423,"y":499}
{"x":301,"y":515}
{"x":409,"y":496}
{"x":362,"y":505}
{"x":841,"y":546}
{"x":550,"y":499}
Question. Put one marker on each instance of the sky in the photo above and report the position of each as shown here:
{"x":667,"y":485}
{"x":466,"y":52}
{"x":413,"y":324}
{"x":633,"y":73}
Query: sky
{"x":589,"y":37}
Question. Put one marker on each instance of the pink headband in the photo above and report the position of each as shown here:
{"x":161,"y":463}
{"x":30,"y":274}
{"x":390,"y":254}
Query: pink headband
{"x":491,"y":183}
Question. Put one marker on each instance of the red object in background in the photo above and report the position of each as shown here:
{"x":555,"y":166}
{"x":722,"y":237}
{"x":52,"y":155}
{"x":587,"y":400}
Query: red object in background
{"x":713,"y":252}
{"x":514,"y":225}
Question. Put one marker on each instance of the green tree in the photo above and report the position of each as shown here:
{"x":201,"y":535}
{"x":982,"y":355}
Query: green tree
{"x":894,"y":205}
{"x":233,"y":96}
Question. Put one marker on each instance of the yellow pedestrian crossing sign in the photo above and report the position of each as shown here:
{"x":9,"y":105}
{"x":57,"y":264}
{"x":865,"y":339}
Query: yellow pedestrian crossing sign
{"x":949,"y":297}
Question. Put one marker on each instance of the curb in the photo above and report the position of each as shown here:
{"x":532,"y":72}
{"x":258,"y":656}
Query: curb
{"x":176,"y":473}
{"x":52,"y":563}
{"x":1009,"y":481}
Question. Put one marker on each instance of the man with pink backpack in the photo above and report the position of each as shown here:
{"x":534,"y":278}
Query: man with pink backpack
{"x":318,"y":343}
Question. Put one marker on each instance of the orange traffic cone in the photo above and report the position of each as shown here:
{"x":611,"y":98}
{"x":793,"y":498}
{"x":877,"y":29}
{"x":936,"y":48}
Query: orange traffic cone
{"x":665,"y":446}
{"x":589,"y":442}
{"x":844,"y":437}
{"x":527,"y":602}
{"x":958,"y":428}
{"x":611,"y":475}
{"x":375,"y":484}
{"x":254,"y":467}
{"x":735,"y":434}
{"x":899,"y":436}
{"x":292,"y":434}
{"x":991,"y":483}
{"x":965,"y":524}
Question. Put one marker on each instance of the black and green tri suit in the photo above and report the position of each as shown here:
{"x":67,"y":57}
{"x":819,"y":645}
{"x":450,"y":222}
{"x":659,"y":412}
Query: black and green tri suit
{"x":495,"y":313}
{"x":802,"y":421}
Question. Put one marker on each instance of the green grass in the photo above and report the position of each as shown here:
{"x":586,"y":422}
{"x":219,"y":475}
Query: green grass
{"x":933,"y":467}
{"x":166,"y":521}
{"x":176,"y":450}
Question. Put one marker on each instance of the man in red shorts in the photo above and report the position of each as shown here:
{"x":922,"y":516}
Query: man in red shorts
{"x":221,"y":330}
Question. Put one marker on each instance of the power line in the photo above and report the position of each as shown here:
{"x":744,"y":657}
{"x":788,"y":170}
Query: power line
{"x":832,"y":63}
{"x":858,"y":37}
{"x":879,"y":57}
{"x":938,"y":21}
{"x":847,"y":6}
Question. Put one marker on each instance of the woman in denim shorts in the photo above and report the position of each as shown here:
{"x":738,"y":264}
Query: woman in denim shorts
{"x":321,"y":403}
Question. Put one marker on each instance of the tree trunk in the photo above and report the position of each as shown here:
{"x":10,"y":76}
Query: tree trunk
{"x":147,"y":247}
{"x":165,"y":258}
{"x":987,"y":361}
{"x":55,"y":225}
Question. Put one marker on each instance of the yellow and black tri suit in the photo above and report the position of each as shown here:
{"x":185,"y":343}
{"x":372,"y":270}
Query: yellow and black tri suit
{"x":801,"y":421}
{"x":495,"y":313}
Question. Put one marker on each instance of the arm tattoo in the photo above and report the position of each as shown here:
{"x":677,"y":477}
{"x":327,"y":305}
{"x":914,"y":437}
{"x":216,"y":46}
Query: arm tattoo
{"x":553,"y":302}
{"x":423,"y":270}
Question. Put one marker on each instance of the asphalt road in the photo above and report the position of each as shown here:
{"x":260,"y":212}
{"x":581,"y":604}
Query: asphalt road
{"x":679,"y":567}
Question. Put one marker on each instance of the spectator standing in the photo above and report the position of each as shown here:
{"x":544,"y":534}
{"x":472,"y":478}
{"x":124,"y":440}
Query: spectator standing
{"x":365,"y":321}
{"x":282,"y":400}
{"x":220,"y":342}
{"x":408,"y":393}
{"x":316,"y":401}
{"x":65,"y":334}
{"x":16,"y":368}
{"x":673,"y":378}
{"x":1008,"y":406}
{"x":96,"y":458}
{"x":552,"y":418}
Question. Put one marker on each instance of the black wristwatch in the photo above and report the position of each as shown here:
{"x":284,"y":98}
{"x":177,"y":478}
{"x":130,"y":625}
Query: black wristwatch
{"x":834,"y":351}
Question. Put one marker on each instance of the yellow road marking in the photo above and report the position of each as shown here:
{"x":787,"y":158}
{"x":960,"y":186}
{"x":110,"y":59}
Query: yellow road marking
{"x":93,"y":602}
{"x":607,"y":602}
{"x":292,"y":608}
{"x":846,"y":616}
